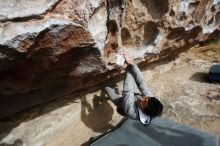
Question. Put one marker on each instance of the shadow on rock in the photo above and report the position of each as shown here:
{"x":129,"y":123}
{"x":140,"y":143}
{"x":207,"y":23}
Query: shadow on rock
{"x":98,"y":116}
{"x":200,"y":77}
{"x":17,"y":142}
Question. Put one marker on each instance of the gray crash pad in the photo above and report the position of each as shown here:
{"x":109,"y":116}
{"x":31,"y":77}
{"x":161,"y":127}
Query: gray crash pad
{"x":161,"y":132}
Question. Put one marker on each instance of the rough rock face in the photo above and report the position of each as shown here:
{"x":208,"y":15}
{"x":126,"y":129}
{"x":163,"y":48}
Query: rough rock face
{"x":51,"y":48}
{"x":13,"y":10}
{"x":181,"y":85}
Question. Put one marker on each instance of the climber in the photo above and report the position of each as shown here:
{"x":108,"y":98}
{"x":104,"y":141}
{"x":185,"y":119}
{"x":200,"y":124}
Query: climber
{"x":142,"y":107}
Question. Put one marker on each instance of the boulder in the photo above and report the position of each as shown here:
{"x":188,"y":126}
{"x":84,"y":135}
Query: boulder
{"x":51,"y":48}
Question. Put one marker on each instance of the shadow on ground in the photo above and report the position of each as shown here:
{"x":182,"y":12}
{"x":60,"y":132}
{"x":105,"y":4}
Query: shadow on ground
{"x":98,"y":115}
{"x":200,"y":77}
{"x":95,"y":118}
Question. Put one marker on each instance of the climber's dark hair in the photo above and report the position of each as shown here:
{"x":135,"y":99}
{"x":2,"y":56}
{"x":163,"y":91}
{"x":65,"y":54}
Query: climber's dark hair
{"x":154,"y":108}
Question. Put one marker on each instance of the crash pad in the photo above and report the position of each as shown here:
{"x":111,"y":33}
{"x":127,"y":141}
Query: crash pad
{"x":161,"y":132}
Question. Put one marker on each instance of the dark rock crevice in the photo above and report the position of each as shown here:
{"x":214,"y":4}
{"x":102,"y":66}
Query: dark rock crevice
{"x":9,"y":57}
{"x":181,"y":33}
{"x":156,"y":8}
{"x":125,"y":36}
{"x":194,"y":5}
{"x":217,"y":17}
{"x":150,"y":32}
{"x":115,"y":10}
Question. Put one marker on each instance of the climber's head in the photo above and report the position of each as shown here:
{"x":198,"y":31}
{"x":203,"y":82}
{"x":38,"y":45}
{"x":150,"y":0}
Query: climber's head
{"x":150,"y":106}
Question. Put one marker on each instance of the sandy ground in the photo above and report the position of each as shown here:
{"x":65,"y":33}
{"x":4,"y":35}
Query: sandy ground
{"x":181,"y":85}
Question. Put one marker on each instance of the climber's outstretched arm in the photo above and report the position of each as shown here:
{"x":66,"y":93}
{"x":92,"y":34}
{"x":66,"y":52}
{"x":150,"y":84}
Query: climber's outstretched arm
{"x":138,"y":76}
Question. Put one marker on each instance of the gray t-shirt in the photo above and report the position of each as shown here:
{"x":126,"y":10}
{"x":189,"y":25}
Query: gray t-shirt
{"x":134,"y":75}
